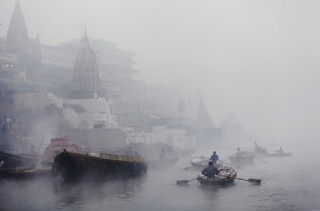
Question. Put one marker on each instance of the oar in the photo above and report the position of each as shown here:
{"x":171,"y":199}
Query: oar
{"x":238,"y":167}
{"x":255,"y":181}
{"x":229,"y":156}
{"x":185,"y":181}
{"x":187,"y":168}
{"x":37,"y":164}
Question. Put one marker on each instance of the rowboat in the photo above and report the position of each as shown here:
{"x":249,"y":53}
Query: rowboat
{"x":259,"y":151}
{"x":75,"y":166}
{"x":226,"y":175}
{"x":199,"y":163}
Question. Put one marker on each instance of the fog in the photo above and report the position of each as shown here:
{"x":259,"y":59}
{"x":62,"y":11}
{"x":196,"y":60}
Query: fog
{"x":257,"y":59}
{"x":283,"y":188}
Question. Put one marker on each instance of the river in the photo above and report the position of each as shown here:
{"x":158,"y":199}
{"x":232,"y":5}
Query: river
{"x":288,"y":183}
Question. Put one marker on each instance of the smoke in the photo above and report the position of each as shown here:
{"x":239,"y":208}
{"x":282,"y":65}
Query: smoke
{"x":256,"y":59}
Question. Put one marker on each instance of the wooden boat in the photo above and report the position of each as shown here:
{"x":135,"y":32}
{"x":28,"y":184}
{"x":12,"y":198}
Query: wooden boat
{"x":8,"y":160}
{"x":75,"y":166}
{"x":26,"y":172}
{"x":263,"y":152}
{"x":56,"y":146}
{"x":199,"y":163}
{"x":242,"y":158}
{"x":227,"y":175}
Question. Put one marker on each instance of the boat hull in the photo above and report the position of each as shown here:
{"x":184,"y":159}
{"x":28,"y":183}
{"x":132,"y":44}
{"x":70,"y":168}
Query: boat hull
{"x":226,"y":176}
{"x":76,"y":166}
{"x":9,"y":161}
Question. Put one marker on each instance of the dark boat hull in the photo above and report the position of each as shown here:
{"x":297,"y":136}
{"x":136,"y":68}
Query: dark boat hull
{"x":9,"y":161}
{"x":75,"y":166}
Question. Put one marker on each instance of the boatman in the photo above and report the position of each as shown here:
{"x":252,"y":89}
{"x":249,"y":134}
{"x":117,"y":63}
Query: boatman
{"x":214,"y":157}
{"x":210,"y":171}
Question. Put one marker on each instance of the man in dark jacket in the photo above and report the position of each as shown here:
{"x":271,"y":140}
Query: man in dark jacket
{"x":214,"y":157}
{"x":210,"y":171}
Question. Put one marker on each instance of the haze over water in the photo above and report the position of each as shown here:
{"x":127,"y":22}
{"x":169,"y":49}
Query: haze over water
{"x":257,"y":59}
{"x":288,"y":183}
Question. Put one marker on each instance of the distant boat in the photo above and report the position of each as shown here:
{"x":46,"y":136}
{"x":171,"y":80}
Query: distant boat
{"x":199,"y":163}
{"x":260,"y":151}
{"x":76,"y":166}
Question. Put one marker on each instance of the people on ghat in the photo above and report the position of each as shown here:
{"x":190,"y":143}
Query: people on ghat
{"x":214,"y":157}
{"x":210,"y":171}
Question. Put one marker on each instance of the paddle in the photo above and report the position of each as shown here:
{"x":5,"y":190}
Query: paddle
{"x":255,"y":181}
{"x":239,"y":167}
{"x":185,"y":181}
{"x":229,"y":156}
{"x":37,"y":164}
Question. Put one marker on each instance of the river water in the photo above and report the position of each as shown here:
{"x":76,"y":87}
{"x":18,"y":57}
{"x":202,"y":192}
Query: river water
{"x":289,"y":183}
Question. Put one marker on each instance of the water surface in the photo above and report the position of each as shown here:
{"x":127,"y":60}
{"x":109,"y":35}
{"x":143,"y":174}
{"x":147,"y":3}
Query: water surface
{"x":289,"y":183}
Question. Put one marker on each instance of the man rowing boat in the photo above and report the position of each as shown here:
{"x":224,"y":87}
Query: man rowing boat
{"x":210,"y":171}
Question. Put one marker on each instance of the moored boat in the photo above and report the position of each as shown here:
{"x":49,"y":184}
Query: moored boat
{"x":75,"y":166}
{"x":226,"y":175}
{"x":56,"y":146}
{"x":9,"y":160}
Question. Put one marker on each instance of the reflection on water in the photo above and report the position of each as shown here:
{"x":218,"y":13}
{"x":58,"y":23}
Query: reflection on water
{"x":288,"y":184}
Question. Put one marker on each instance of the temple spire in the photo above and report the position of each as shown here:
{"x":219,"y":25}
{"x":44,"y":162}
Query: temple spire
{"x":17,"y":35}
{"x":203,"y":119}
{"x":86,"y":82}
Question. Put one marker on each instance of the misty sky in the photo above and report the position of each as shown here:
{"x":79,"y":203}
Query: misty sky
{"x":257,"y":59}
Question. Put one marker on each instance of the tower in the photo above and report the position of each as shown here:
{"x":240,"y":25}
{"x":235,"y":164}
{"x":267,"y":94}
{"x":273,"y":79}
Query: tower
{"x":17,"y":35}
{"x":86,"y":81}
